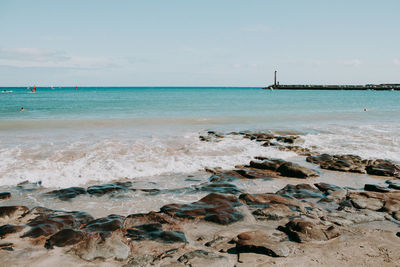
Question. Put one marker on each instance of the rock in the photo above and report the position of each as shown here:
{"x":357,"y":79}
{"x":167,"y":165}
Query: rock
{"x":219,"y":187}
{"x":213,"y":208}
{"x":65,"y":237}
{"x":9,"y":229}
{"x":110,"y":223}
{"x":196,"y":257}
{"x":148,"y":218}
{"x":396,"y":215}
{"x":324,"y":187}
{"x":287,"y":139}
{"x":300,"y":191}
{"x":140,"y":260}
{"x":67,"y":193}
{"x":289,"y":169}
{"x":275,"y":212}
{"x":383,"y":168}
{"x":225,"y":176}
{"x":375,"y":188}
{"x":345,"y":163}
{"x":5,"y":195}
{"x":267,"y":164}
{"x":265,"y":201}
{"x":9,"y":213}
{"x":335,"y":196}
{"x":301,"y":230}
{"x":97,"y":247}
{"x":100,"y":190}
{"x":156,"y":233}
{"x":7,"y":246}
{"x":361,"y":200}
{"x":259,"y":242}
{"x":393,"y":185}
{"x":347,"y":218}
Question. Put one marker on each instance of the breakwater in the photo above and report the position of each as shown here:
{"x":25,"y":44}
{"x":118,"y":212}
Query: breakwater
{"x":375,"y":87}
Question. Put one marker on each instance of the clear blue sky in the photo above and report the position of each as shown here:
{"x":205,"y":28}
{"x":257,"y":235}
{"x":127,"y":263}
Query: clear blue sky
{"x":198,"y":43}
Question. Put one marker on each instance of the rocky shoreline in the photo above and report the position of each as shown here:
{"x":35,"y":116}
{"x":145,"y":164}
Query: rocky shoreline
{"x":303,"y":223}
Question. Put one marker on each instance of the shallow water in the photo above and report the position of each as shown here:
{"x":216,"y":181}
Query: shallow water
{"x":68,"y":137}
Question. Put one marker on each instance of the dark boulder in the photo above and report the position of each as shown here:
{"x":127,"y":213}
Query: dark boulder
{"x":110,"y":223}
{"x":65,"y":237}
{"x":383,"y":168}
{"x":376,"y":188}
{"x":290,"y":169}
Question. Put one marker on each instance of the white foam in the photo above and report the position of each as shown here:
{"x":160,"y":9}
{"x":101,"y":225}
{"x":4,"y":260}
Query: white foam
{"x":368,"y":141}
{"x":62,"y":165}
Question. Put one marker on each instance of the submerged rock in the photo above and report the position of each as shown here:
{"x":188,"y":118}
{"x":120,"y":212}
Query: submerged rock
{"x":103,"y":189}
{"x":67,"y":193}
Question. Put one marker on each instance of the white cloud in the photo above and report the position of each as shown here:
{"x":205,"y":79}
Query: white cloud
{"x":396,"y":62}
{"x":352,"y":62}
{"x":37,"y":57}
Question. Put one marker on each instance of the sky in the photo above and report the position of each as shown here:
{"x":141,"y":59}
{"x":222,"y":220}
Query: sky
{"x":198,"y":43}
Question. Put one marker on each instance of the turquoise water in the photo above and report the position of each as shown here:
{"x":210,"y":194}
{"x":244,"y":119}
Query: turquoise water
{"x":137,"y":102}
{"x":67,"y":137}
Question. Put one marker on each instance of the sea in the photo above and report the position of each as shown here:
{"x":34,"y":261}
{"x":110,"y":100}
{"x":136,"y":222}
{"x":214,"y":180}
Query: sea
{"x":67,"y":137}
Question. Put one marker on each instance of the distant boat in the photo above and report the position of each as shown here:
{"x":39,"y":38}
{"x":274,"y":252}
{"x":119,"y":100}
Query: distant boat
{"x":52,"y":87}
{"x":6,"y":92}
